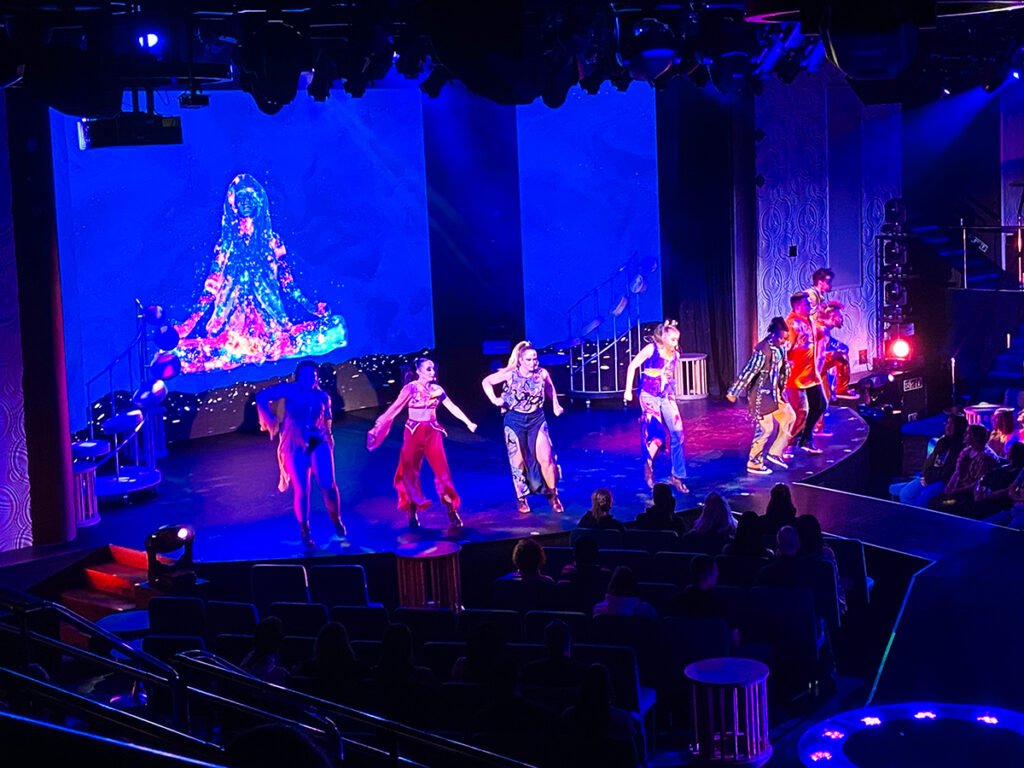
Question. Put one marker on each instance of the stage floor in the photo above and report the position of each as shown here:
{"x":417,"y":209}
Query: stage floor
{"x":226,"y":486}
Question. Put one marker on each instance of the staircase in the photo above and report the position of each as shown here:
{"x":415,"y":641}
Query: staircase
{"x":109,"y":586}
{"x":1007,"y":371}
{"x":946,"y":245}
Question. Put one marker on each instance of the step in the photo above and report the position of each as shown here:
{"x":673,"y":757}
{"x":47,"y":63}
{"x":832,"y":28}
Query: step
{"x":114,"y":578}
{"x":133,"y":557}
{"x":93,"y":605}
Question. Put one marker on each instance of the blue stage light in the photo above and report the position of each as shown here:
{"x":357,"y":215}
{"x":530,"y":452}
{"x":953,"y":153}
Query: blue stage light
{"x":149,"y":40}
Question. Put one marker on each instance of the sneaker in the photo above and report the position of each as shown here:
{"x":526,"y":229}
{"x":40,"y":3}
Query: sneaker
{"x":758,"y":469}
{"x":524,"y":506}
{"x":812,"y":449}
{"x":556,"y":504}
{"x":847,"y":396}
{"x":776,"y":461}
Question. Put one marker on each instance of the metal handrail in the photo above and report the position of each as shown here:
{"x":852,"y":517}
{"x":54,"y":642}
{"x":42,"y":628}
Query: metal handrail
{"x":209,"y":664}
{"x":95,"y":711}
{"x":170,"y":678}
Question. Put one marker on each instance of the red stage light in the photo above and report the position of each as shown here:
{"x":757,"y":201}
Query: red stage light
{"x":900,"y":349}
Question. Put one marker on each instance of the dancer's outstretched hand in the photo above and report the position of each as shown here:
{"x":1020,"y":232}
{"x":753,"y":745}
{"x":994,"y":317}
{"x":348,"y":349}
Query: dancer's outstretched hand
{"x":557,"y":409}
{"x":627,"y":396}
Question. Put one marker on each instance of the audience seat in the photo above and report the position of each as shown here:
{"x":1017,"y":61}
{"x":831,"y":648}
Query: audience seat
{"x":441,"y":657}
{"x":523,"y":596}
{"x":177,"y":616}
{"x":367,"y":652}
{"x":639,"y":561}
{"x":607,"y":538}
{"x":363,"y":622}
{"x":557,"y":559}
{"x":673,"y":567}
{"x":853,"y":571}
{"x":641,"y":633}
{"x":651,"y":541}
{"x":622,"y":669}
{"x":232,"y":648}
{"x":300,"y":618}
{"x":338,"y":585}
{"x":534,"y":623}
{"x":427,"y":624}
{"x":165,"y":646}
{"x":739,"y":571}
{"x":225,"y":617}
{"x":659,"y":594}
{"x":785,"y":619}
{"x":508,"y":623}
{"x":272,"y":583}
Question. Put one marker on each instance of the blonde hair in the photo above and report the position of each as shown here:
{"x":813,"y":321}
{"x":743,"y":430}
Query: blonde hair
{"x":517,"y":352}
{"x":716,"y":517}
{"x":601,"y":503}
{"x":662,"y":328}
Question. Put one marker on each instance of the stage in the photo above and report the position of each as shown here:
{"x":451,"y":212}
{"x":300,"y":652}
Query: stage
{"x":226,"y":486}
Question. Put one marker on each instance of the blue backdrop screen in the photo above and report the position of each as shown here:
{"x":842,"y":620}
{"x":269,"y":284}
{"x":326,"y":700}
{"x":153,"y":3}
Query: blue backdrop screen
{"x":265,"y":238}
{"x":588,"y":176}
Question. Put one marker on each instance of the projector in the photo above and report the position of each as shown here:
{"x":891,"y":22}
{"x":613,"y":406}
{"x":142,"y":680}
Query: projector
{"x":129,"y":129}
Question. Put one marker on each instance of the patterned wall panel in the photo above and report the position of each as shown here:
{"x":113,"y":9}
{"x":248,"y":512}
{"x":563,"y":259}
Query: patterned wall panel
{"x":793,"y":202}
{"x":15,"y":518}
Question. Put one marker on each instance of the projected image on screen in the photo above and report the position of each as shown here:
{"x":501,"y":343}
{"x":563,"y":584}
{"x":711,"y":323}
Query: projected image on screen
{"x":251,"y":309}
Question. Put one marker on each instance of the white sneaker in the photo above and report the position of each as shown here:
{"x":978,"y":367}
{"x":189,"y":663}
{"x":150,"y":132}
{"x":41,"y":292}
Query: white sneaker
{"x":758,"y":469}
{"x":776,"y":461}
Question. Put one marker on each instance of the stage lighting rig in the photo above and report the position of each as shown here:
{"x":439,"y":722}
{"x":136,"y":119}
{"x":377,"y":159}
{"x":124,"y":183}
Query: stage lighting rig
{"x":272,"y":57}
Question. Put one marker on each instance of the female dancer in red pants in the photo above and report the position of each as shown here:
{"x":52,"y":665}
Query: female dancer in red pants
{"x":422,"y":439}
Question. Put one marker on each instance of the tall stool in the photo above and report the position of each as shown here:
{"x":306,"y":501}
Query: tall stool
{"x":981,"y":414}
{"x":692,"y":376}
{"x":730,"y":711}
{"x":86,"y":455}
{"x":428,"y":576}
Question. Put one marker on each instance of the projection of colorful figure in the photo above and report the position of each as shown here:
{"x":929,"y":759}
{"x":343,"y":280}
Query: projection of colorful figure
{"x":251,"y":310}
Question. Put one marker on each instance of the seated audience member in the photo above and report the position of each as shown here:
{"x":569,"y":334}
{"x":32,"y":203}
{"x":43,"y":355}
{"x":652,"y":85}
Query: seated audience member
{"x":557,"y":669}
{"x":396,"y":666}
{"x":600,"y":513}
{"x":813,"y":547}
{"x":528,"y":557}
{"x":974,"y":461}
{"x":589,"y":578}
{"x":938,"y":467}
{"x":697,"y":598}
{"x":787,"y":545}
{"x":713,"y":529}
{"x":594,"y":729}
{"x":623,"y":596}
{"x":1014,"y":516}
{"x":748,"y":541}
{"x":1004,"y":430}
{"x":333,"y":669}
{"x":992,"y":494}
{"x":661,"y":515}
{"x":779,"y":512}
{"x":263,"y":660}
{"x":485,"y":658}
{"x":508,"y":723}
{"x":1018,"y":431}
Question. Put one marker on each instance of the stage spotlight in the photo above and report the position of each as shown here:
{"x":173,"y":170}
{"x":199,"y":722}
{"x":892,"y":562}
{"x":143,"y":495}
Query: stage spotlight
{"x":272,"y":58}
{"x":899,"y":349}
{"x":169,"y":558}
{"x":149,"y":41}
{"x":647,"y":48}
{"x":165,"y":366}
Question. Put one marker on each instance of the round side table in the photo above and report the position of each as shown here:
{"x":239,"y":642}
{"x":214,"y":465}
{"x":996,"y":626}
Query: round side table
{"x":428,"y":576}
{"x":730,"y":711}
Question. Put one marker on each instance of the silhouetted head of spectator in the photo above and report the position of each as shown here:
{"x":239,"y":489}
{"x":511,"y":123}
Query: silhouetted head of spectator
{"x":704,"y":572}
{"x":396,"y":649}
{"x":623,"y":583}
{"x":812,"y":542}
{"x":601,"y":503}
{"x":585,"y":551}
{"x":268,"y":636}
{"x":663,"y":502}
{"x":956,"y":426}
{"x":332,"y":646}
{"x":557,"y":638}
{"x":787,"y":541}
{"x":528,"y":557}
{"x":1016,"y":455}
{"x":977,"y":436}
{"x":748,"y":532}
{"x":780,"y":510}
{"x":716,"y":517}
{"x":274,"y":745}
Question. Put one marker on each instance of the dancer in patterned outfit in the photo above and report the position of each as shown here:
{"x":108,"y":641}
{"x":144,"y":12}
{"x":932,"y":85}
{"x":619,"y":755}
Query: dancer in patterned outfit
{"x":803,"y":388}
{"x":306,"y":445}
{"x":764,"y":378}
{"x":530,"y":453}
{"x":660,"y":422}
{"x":421,"y":439}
